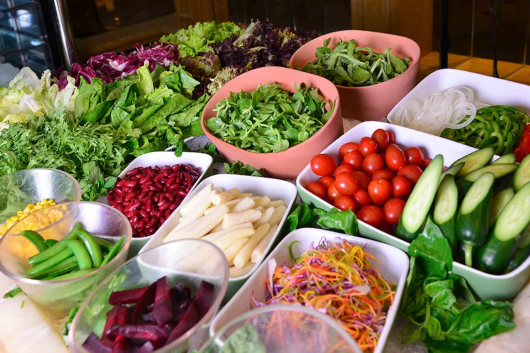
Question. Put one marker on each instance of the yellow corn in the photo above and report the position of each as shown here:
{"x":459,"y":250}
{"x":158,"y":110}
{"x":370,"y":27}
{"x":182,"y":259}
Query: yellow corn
{"x":237,"y":272}
{"x":259,"y":250}
{"x":277,"y":216}
{"x":40,"y":222}
{"x":243,"y":256}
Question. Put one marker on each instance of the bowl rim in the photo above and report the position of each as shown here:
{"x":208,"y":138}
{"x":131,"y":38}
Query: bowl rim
{"x":415,"y":58}
{"x":38,"y":282}
{"x":208,"y":317}
{"x":215,"y":140}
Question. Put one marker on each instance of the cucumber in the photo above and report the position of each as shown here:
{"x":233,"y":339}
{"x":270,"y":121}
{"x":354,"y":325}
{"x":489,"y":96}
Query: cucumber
{"x":522,"y":174}
{"x":472,"y":221}
{"x":498,"y":170}
{"x":420,"y":201}
{"x":475,"y":160}
{"x":499,"y":201}
{"x":515,"y":216}
{"x":506,"y":159}
{"x":520,"y":256}
{"x":445,"y":209}
{"x":496,"y":254}
{"x":460,"y":255}
{"x":452,"y":170}
{"x":525,"y":238}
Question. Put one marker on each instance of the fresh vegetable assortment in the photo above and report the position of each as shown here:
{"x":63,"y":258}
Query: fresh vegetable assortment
{"x":77,"y":254}
{"x":148,"y":196}
{"x":270,"y":119}
{"x":148,"y":318}
{"x":352,"y":66}
{"x":337,"y":278}
{"x":240,"y":224}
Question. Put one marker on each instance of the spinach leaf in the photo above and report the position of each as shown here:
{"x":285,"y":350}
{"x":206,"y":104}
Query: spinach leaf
{"x":306,"y":216}
{"x":243,"y":169}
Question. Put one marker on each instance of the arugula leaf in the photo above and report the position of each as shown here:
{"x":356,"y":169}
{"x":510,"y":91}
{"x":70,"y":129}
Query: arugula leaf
{"x":243,"y":169}
{"x":98,"y":189}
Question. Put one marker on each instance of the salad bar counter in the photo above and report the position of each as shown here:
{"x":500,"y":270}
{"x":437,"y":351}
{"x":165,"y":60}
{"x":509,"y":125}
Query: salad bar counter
{"x":193,"y":195}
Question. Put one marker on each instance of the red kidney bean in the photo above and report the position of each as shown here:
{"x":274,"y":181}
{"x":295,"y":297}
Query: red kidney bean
{"x":174,"y":187}
{"x":167,"y":214}
{"x":148,"y":206}
{"x":164,"y":205}
{"x":193,"y":172}
{"x":118,"y":207}
{"x":153,"y":212}
{"x":173,"y":206}
{"x":182,"y":193}
{"x":134,"y":220}
{"x":118,"y":191}
{"x":129,"y":196}
{"x":132,"y":207}
{"x":144,"y":214}
{"x":132,"y":172}
{"x":142,"y":223}
{"x":155,"y":198}
{"x":159,"y":213}
{"x":158,"y":177}
{"x":133,"y":213}
{"x":170,"y":197}
{"x":154,"y":188}
{"x":179,"y":178}
{"x":170,"y":181}
{"x":142,"y":195}
{"x":118,"y":200}
{"x":151,"y":223}
{"x":157,"y":168}
{"x":178,"y":199}
{"x":121,"y":183}
{"x":130,"y":183}
{"x":188,"y":189}
{"x":186,"y":167}
{"x":145,"y":179}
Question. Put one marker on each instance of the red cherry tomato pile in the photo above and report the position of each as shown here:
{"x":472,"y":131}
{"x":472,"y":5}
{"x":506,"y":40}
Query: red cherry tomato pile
{"x":374,"y":178}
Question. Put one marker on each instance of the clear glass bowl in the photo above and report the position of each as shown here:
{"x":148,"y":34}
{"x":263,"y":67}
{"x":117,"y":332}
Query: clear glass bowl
{"x":19,"y":189}
{"x":282,"y":328}
{"x":59,"y":297}
{"x":188,"y":260}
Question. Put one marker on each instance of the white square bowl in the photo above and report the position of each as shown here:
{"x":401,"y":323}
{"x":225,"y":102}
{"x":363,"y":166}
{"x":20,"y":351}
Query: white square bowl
{"x":202,"y":161}
{"x":487,"y":286}
{"x":394,"y":266}
{"x":275,"y":189}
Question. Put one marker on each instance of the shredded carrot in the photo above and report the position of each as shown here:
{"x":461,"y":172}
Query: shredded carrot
{"x":337,"y":278}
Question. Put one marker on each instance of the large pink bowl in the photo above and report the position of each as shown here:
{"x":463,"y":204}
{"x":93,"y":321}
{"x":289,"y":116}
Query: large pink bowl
{"x":287,"y":164}
{"x":370,"y":102}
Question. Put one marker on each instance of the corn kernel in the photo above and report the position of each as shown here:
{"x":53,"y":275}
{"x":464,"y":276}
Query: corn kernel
{"x":42,"y":222}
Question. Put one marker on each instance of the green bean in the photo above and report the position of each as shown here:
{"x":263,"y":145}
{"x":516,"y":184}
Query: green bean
{"x":93,"y":248}
{"x":51,"y":262}
{"x":73,"y":274}
{"x":57,"y":248}
{"x":113,"y":252}
{"x":80,"y":253}
{"x":104,"y":244}
{"x":36,"y":239}
{"x":65,"y":264}
{"x":50,"y":242}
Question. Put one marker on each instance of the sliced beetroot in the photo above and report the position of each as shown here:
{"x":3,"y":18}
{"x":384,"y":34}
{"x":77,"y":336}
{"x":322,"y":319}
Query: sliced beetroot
{"x":120,"y":345}
{"x":189,"y":320}
{"x":147,"y":347}
{"x":94,"y":345}
{"x":162,"y":310}
{"x":203,"y":299}
{"x":107,"y":343}
{"x":180,"y":292}
{"x":145,"y":300}
{"x":180,"y":310}
{"x":116,"y":315}
{"x":148,"y":317}
{"x":129,"y":296}
{"x":149,"y":332}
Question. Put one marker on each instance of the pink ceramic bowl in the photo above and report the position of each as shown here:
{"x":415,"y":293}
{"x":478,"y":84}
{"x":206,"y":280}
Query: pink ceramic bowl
{"x":370,"y":102}
{"x":287,"y":164}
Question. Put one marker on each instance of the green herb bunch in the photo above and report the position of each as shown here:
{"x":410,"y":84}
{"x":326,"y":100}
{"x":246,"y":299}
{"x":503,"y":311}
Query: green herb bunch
{"x":352,"y":66}
{"x":270,"y":119}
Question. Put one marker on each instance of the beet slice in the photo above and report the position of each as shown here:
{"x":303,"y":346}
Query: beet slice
{"x":149,"y":332}
{"x":147,"y":347}
{"x":148,"y":317}
{"x":94,"y":345}
{"x":120,"y":345}
{"x":162,"y":311}
{"x":107,"y":343}
{"x":147,"y":298}
{"x":180,"y":292}
{"x":203,"y":299}
{"x":129,"y":296}
{"x":189,"y":320}
{"x":117,"y":315}
{"x":180,"y":310}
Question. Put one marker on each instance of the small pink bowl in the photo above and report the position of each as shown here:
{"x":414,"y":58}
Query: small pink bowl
{"x":369,"y":102}
{"x":287,"y":164}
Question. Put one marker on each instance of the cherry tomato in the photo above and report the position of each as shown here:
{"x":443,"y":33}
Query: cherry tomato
{"x":401,"y":186}
{"x":391,"y":136}
{"x":346,"y":184}
{"x":383,"y":174}
{"x":362,"y":198}
{"x":414,"y":155}
{"x":326,"y":181}
{"x":381,"y":138}
{"x":425,"y":163}
{"x":367,"y":146}
{"x":395,"y":158}
{"x":332,"y":193}
{"x":362,"y":179}
{"x":316,"y":189}
{"x":393,"y":209}
{"x":343,"y":168}
{"x":355,"y":159}
{"x":411,"y":172}
{"x":372,"y":163}
{"x":347,"y":148}
{"x":322,"y":164}
{"x":371,"y":214}
{"x":385,"y":227}
{"x":344,"y":203}
{"x":379,"y":191}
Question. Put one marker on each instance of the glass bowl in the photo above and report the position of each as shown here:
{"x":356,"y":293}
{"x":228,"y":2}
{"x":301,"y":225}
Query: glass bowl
{"x":187,"y":260}
{"x":59,"y":297}
{"x":282,"y":328}
{"x":19,"y":189}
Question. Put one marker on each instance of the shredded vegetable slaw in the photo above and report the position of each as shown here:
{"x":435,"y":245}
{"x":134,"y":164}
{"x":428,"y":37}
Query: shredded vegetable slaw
{"x":446,"y":109}
{"x":337,"y":279}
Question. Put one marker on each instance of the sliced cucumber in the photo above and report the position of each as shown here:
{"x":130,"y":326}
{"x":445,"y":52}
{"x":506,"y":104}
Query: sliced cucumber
{"x":522,"y":174}
{"x":520,"y":256}
{"x":495,"y":255}
{"x":499,"y":201}
{"x":420,"y":201}
{"x":472,"y":222}
{"x":506,"y":159}
{"x":452,"y":170}
{"x":445,"y":209}
{"x":525,"y":238}
{"x":498,"y":170}
{"x":475,"y":160}
{"x":515,"y":216}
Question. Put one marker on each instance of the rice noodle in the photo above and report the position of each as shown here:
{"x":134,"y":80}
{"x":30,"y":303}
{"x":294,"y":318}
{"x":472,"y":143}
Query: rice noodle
{"x":446,"y":109}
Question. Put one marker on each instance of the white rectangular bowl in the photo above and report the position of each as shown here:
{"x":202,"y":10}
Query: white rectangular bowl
{"x":487,"y":286}
{"x":201,"y":160}
{"x":394,"y":266}
{"x":275,"y":189}
{"x":488,"y":89}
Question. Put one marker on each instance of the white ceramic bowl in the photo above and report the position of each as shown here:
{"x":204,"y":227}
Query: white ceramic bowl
{"x":394,"y":266}
{"x":275,"y":189}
